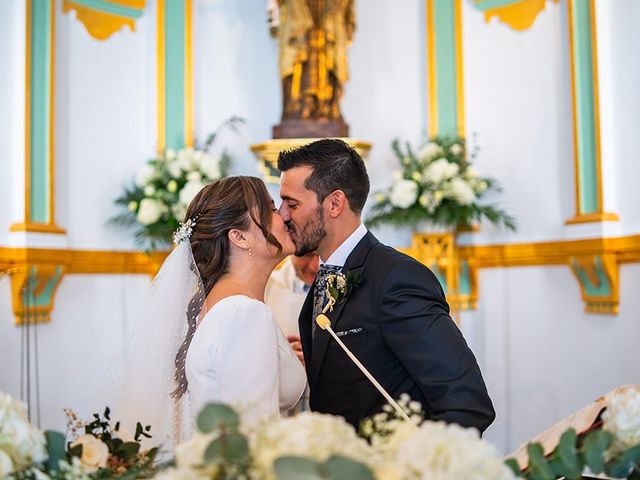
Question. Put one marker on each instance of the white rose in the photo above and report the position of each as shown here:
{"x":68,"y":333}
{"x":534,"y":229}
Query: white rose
{"x":6,"y":465}
{"x":186,"y":159}
{"x":94,"y":452}
{"x":461,"y":191}
{"x":194,"y":176}
{"x":456,"y":149}
{"x":170,"y":154}
{"x":189,"y":191}
{"x":404,"y":193}
{"x":191,"y":453}
{"x":150,"y":211}
{"x":211,"y":167}
{"x":149,"y":190}
{"x":471,"y":172}
{"x":440,"y":170}
{"x":145,"y":175}
{"x":174,"y":168}
{"x":429,"y":151}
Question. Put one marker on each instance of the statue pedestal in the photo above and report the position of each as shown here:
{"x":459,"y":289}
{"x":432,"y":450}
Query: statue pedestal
{"x":312,"y":128}
{"x":267,"y":153}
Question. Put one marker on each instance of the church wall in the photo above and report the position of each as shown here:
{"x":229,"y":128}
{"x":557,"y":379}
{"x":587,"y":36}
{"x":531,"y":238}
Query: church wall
{"x":542,"y":356}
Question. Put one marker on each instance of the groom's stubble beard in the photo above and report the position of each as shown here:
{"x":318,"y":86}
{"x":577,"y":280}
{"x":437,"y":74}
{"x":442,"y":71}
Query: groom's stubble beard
{"x":308,"y":239}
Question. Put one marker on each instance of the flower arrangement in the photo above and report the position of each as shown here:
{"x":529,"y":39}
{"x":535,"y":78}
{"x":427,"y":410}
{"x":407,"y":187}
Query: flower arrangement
{"x":21,"y":444}
{"x":314,"y":446}
{"x":437,"y":184}
{"x":156,"y":202}
{"x":611,"y":446}
{"x":340,"y":286}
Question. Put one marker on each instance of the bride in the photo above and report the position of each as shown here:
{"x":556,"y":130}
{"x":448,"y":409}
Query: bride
{"x":207,"y":335}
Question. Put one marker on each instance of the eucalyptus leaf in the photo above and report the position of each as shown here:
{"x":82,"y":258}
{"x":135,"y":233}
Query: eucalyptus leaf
{"x":216,"y":416}
{"x":55,"y":449}
{"x":232,"y":447}
{"x":621,"y":466}
{"x":512,"y":463}
{"x":539,"y":469}
{"x":342,"y":468}
{"x":567,"y":462}
{"x":298,"y":468}
{"x":594,"y":446}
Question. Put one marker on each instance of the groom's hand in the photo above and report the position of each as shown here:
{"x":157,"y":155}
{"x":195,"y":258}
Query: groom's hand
{"x":296,"y":345}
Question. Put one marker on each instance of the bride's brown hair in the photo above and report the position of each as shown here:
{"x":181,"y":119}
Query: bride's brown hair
{"x":230,"y":203}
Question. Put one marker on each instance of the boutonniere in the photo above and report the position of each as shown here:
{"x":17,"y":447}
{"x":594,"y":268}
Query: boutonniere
{"x":340,"y":286}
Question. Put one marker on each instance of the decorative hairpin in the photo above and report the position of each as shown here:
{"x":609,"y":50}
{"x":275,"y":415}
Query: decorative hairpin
{"x":184,"y":231}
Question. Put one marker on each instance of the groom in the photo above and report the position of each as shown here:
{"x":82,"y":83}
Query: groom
{"x":396,"y":321}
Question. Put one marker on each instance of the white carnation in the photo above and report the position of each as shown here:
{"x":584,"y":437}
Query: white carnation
{"x":429,"y":151}
{"x":445,"y":452}
{"x":149,"y":190}
{"x":150,"y":211}
{"x":211,"y":167}
{"x":404,"y":193}
{"x":189,"y":191}
{"x":460,"y":191}
{"x":440,"y":170}
{"x":174,"y":168}
{"x":622,"y":418}
{"x":146,"y":174}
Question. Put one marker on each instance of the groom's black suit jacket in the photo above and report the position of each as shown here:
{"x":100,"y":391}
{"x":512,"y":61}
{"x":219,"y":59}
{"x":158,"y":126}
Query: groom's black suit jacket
{"x":397,"y":324}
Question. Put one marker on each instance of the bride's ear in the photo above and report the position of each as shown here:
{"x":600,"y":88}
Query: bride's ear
{"x":239,"y":238}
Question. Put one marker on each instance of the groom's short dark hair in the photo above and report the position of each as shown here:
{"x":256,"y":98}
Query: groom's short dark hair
{"x":335,"y":166}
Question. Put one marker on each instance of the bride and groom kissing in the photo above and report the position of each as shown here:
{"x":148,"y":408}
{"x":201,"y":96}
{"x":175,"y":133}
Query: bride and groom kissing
{"x":395,"y":321}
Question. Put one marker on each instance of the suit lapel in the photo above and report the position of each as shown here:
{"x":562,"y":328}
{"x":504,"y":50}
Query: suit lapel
{"x":355,"y":264}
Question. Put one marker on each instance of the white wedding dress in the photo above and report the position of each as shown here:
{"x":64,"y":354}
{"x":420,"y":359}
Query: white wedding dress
{"x":239,"y":356}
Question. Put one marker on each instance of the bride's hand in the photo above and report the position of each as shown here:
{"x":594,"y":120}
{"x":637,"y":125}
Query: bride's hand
{"x":296,"y":345}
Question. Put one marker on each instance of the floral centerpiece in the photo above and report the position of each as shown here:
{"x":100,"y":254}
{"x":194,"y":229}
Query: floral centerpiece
{"x":157,"y":200}
{"x":437,"y":184}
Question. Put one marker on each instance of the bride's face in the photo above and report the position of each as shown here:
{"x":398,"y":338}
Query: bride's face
{"x":281,"y":232}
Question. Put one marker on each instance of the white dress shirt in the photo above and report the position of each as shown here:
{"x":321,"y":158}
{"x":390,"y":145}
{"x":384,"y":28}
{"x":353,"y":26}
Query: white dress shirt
{"x":339,"y":257}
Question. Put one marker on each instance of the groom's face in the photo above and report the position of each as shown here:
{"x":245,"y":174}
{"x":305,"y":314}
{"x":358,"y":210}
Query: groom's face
{"x":301,"y":210}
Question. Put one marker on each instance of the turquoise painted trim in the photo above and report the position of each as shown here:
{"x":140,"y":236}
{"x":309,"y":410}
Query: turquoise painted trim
{"x":175,"y":28}
{"x":45,"y":298}
{"x":446,"y":78}
{"x":441,"y":278}
{"x":464,"y":280}
{"x":489,"y":4}
{"x":40,"y":109}
{"x":111,"y":8}
{"x":585,"y":106}
{"x":604,"y":289}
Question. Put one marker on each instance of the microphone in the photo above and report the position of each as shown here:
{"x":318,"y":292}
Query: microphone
{"x":324,"y":323}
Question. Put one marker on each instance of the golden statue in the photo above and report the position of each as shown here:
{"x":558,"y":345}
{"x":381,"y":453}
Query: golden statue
{"x":313,"y":37}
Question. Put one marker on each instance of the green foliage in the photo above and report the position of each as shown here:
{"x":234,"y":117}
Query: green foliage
{"x":436,"y":200}
{"x":335,"y":468}
{"x":55,"y":450}
{"x":217,"y":416}
{"x":170,"y":174}
{"x":573,"y":453}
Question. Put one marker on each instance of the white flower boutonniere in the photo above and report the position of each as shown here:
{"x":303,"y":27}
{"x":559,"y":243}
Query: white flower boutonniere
{"x":340,"y":286}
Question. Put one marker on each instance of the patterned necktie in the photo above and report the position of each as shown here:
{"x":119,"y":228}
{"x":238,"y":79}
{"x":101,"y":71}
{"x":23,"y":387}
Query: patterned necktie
{"x":319,"y":292}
